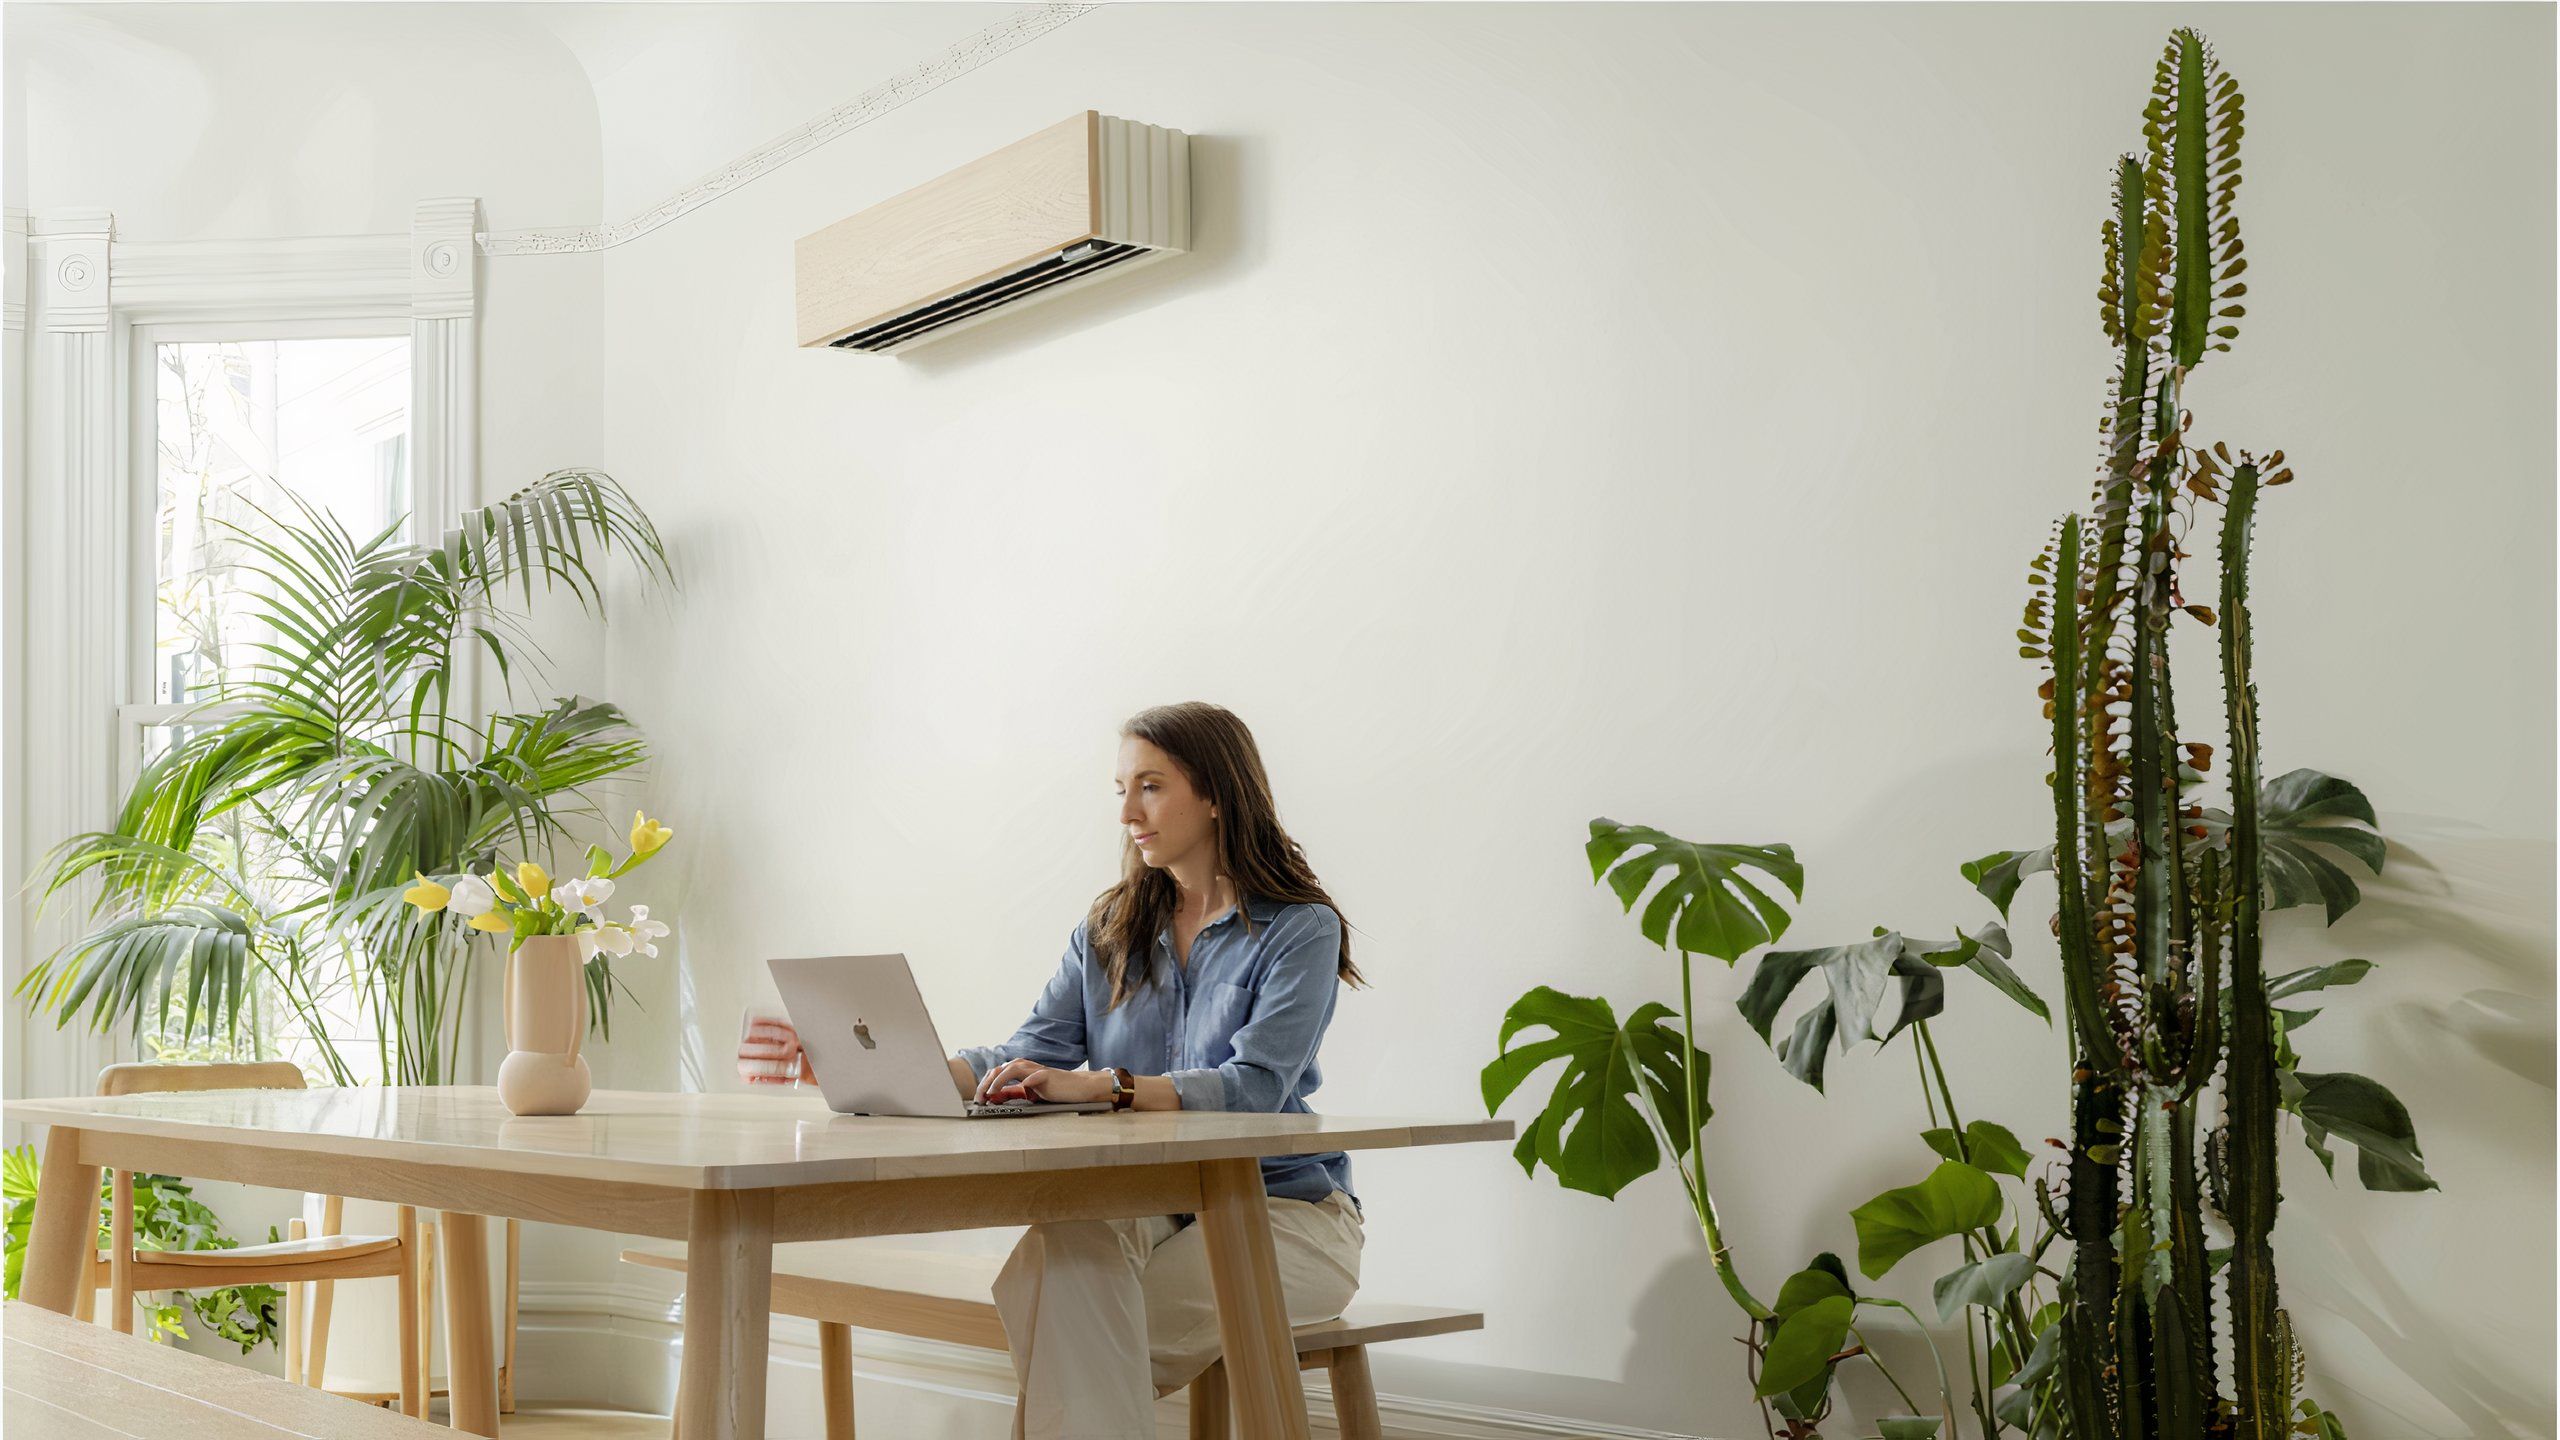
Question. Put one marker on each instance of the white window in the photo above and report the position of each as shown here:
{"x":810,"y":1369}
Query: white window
{"x":238,"y":428}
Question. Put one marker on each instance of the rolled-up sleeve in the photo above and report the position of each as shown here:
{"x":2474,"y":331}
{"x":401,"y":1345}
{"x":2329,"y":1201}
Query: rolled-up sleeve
{"x":1291,"y":1006}
{"x":1054,"y":1035}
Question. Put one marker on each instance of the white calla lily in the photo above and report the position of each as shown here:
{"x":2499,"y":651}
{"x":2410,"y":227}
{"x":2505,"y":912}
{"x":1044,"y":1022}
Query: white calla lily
{"x":613,"y":939}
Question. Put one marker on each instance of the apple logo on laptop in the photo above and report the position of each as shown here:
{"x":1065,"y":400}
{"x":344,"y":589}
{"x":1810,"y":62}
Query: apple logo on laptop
{"x":862,"y":1033}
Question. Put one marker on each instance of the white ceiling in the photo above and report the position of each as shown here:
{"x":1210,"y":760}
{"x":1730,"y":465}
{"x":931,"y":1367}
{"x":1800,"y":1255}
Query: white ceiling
{"x":682,"y":89}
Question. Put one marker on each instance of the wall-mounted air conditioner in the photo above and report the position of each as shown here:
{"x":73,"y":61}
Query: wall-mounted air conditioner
{"x":1089,"y":197}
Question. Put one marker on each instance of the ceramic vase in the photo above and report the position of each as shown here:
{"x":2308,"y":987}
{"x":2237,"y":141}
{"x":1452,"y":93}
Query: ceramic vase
{"x":546,"y":1012}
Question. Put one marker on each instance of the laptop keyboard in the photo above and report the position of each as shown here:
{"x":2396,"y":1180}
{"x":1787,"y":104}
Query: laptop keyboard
{"x":979,"y":1109}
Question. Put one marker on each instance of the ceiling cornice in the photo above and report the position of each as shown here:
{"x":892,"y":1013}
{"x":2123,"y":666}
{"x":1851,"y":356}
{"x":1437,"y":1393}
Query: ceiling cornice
{"x":1006,"y":35}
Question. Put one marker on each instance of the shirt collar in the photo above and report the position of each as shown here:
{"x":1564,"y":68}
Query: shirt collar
{"x":1262,"y":911}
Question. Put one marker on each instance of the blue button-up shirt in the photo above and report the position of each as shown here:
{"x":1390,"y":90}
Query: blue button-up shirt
{"x":1235,"y":1029}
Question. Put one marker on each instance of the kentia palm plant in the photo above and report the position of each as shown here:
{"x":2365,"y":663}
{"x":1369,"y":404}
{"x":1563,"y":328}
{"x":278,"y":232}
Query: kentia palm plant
{"x":2181,"y":1059}
{"x":272,"y":841}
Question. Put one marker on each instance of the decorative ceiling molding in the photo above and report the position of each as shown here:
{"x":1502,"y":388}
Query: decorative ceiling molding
{"x":1006,"y":35}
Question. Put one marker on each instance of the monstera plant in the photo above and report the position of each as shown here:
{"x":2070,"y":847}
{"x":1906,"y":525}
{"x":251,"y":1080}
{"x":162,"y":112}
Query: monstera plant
{"x":2086,"y":1283}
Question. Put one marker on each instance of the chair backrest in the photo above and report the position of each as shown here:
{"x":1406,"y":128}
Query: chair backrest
{"x":230,"y":1075}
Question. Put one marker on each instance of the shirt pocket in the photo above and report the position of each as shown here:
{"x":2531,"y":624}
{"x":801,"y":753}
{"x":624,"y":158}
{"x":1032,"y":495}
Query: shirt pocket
{"x":1217,"y":1013}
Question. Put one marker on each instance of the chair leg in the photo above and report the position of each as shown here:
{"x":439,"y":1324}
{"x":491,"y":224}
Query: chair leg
{"x":324,"y":1298}
{"x":120,"y":1255}
{"x":507,"y":1361}
{"x":835,"y":1377}
{"x":426,"y":1312}
{"x":1355,"y":1398}
{"x":1209,"y":1403}
{"x":295,"y":1306}
{"x":413,"y":1379}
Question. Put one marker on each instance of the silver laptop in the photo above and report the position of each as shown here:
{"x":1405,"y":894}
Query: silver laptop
{"x":863,"y":1022}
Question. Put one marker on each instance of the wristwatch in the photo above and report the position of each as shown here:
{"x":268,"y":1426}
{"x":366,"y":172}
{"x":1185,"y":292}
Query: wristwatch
{"x":1124,"y":1090}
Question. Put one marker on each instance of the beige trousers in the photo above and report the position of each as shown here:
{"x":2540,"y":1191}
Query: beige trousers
{"x":1103,"y":1314}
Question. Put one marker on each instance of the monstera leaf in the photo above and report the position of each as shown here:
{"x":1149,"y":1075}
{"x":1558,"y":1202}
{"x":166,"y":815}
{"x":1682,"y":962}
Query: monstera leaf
{"x":1593,"y":1132}
{"x":2365,"y":1114}
{"x":1854,"y":982}
{"x":1707,"y":907}
{"x":2301,"y":815}
{"x":2302,"y":812}
{"x":1999,"y":874}
{"x":2315,"y":978}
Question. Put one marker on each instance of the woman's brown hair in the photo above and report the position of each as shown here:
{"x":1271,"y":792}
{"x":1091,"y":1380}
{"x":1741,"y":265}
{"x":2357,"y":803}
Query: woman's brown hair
{"x":1216,"y":753}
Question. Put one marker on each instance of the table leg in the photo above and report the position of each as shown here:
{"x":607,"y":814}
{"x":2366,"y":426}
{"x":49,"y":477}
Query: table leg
{"x":472,"y":1373}
{"x":728,"y":1310}
{"x":1253,"y":1319}
{"x":63,"y":1244}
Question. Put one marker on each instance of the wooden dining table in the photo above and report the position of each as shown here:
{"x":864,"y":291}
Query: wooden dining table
{"x":731,"y":1176}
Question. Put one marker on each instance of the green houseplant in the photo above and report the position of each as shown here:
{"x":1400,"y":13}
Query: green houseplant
{"x":2088,"y":1295}
{"x":266,"y":852}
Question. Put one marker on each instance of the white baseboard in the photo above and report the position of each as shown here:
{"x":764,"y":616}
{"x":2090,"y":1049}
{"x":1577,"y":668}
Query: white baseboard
{"x":616,"y":1345}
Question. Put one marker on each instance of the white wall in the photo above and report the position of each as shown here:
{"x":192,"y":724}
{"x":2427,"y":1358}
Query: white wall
{"x":1643,"y":411}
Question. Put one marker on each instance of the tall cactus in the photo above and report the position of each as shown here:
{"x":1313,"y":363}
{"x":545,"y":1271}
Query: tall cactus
{"x":2158,"y":915}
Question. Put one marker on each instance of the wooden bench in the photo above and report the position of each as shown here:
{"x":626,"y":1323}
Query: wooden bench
{"x":945,"y":1297}
{"x":64,"y":1380}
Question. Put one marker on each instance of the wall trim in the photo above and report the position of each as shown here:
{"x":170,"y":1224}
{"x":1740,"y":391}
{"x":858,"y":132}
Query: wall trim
{"x":308,"y":278}
{"x":1006,"y":35}
{"x":644,"y":1323}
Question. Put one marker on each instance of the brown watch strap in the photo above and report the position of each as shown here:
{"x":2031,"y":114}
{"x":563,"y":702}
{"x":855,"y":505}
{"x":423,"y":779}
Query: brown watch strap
{"x":1124,"y":1090}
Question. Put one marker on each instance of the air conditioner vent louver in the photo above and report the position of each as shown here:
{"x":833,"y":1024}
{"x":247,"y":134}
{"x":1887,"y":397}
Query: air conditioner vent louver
{"x":1087,"y":196}
{"x":1067,"y":264}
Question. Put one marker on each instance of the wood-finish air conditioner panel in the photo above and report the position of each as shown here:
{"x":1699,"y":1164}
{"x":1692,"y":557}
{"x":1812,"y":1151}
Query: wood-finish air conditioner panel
{"x":1087,"y":197}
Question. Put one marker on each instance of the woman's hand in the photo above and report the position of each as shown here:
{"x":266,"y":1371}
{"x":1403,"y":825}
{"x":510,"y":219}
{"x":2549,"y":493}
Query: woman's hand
{"x":770,"y":1054}
{"x":1029,"y":1079}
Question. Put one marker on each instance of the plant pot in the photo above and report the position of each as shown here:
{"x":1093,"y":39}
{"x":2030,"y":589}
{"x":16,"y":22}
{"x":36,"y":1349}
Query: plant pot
{"x":546,"y":1012}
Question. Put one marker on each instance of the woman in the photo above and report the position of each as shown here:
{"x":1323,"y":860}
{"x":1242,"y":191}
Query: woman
{"x":1203,"y":980}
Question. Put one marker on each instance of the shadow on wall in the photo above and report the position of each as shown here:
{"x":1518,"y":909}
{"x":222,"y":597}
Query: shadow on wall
{"x":2460,"y":923}
{"x":1221,"y":167}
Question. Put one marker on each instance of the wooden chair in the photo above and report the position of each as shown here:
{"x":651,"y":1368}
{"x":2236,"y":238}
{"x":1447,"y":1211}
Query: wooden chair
{"x":316,"y":1260}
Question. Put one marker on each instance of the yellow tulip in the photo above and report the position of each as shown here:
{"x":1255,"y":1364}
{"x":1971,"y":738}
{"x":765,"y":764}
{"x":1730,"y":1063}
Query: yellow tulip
{"x":535,"y":884}
{"x":427,"y":895}
{"x":647,"y":836}
{"x":492,"y":922}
